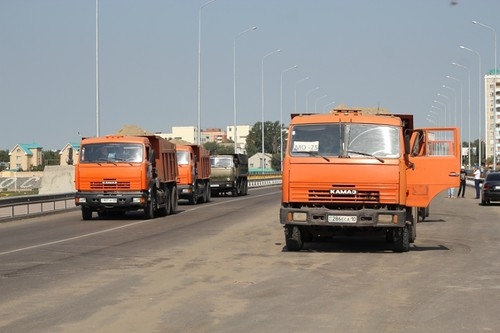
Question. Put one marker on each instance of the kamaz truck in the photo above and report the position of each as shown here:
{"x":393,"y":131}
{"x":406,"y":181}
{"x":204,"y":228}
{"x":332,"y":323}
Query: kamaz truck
{"x":116,"y":174}
{"x":229,"y":174}
{"x":347,"y":172}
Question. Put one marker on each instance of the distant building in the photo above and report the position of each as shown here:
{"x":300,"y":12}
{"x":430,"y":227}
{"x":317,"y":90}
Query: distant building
{"x":491,"y":121}
{"x":64,"y":158}
{"x":213,"y":135}
{"x":260,"y":162}
{"x":25,"y":156}
{"x":242,"y":132}
{"x":186,"y":133}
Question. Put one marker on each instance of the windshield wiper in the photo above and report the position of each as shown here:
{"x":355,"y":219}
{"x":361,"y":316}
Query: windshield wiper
{"x":314,"y":153}
{"x":366,"y":154}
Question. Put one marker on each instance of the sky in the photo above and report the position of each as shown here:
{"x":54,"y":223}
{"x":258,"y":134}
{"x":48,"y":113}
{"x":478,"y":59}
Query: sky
{"x":393,"y":54}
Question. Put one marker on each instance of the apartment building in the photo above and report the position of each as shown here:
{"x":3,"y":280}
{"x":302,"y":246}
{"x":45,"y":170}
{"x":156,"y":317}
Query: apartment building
{"x":491,"y":122}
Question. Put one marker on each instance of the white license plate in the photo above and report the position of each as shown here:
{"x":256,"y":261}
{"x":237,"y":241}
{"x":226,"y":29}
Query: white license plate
{"x":342,"y":219}
{"x":108,"y":200}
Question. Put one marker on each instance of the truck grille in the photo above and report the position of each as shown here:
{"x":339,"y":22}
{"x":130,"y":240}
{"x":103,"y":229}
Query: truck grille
{"x":109,"y":184}
{"x":327,"y":196}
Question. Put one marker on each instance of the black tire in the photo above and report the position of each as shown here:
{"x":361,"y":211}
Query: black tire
{"x":150,"y":209}
{"x":165,"y":210}
{"x":86,"y":213}
{"x":193,"y":199}
{"x":293,"y":238}
{"x":402,"y":239}
{"x":209,"y":192}
{"x":174,"y":206}
{"x":246,"y":187}
{"x":389,"y":236}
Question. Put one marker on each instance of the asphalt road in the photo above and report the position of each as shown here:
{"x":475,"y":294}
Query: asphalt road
{"x":222,"y":267}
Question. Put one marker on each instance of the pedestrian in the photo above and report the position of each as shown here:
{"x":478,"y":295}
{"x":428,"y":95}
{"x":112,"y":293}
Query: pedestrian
{"x":477,"y":180}
{"x":463,"y":178}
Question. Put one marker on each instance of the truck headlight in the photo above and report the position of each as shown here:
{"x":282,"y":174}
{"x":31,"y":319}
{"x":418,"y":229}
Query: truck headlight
{"x":80,"y":200}
{"x":297,"y":216}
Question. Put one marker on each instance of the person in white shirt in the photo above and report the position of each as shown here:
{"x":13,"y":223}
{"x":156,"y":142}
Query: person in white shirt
{"x":477,"y":180}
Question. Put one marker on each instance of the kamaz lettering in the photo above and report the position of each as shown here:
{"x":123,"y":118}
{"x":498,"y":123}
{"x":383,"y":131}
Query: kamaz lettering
{"x":343,"y":192}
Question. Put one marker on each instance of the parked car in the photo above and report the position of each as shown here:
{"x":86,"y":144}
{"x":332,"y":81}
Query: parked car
{"x":490,"y":191}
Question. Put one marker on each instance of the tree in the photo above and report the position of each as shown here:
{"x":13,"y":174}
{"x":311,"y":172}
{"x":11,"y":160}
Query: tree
{"x":271,"y":138}
{"x":50,"y":157}
{"x":219,"y":148}
{"x":4,"y":156}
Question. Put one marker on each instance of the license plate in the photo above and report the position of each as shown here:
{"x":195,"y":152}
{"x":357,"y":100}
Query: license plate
{"x":342,"y":219}
{"x":108,"y":200}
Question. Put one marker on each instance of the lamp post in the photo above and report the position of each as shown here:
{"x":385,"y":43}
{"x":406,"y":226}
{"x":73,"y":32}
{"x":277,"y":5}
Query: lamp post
{"x":444,"y":108}
{"x":468,"y":75}
{"x":494,"y":94}
{"x":97,"y":66}
{"x":447,"y":110}
{"x":479,"y":101}
{"x":295,"y":92}
{"x":454,"y":102}
{"x":199,"y":70}
{"x":461,"y":101}
{"x":234,"y":86}
{"x":327,"y":105}
{"x":436,"y":114}
{"x":307,"y":97}
{"x":461,"y":111}
{"x":281,"y":113}
{"x":262,"y":95}
{"x":316,"y":102}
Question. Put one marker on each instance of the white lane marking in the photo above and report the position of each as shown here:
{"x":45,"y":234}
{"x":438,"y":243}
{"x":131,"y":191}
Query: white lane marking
{"x":122,"y":226}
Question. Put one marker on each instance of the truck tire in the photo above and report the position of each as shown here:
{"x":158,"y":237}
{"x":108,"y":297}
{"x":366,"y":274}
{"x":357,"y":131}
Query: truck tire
{"x":402,"y":239}
{"x":86,"y":213}
{"x":174,"y":206}
{"x":193,"y":199}
{"x":165,"y":210}
{"x":245,"y":192}
{"x":293,"y":238}
{"x":149,"y":211}
{"x":209,"y":192}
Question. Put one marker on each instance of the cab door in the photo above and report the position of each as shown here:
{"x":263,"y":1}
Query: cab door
{"x":433,"y":164}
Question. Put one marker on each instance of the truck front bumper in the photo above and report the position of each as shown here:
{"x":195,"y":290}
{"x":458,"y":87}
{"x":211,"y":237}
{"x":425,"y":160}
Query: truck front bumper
{"x":324,"y":217}
{"x":112,"y":201}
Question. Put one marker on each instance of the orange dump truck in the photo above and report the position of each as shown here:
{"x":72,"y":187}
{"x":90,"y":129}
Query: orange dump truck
{"x":347,"y":172}
{"x":194,"y":173}
{"x":116,"y":174}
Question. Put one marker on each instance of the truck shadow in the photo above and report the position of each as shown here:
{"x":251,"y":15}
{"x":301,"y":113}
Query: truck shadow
{"x":363,"y":244}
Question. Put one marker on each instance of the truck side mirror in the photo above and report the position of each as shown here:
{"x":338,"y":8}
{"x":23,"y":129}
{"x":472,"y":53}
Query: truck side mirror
{"x":407,"y":144}
{"x":152,"y":157}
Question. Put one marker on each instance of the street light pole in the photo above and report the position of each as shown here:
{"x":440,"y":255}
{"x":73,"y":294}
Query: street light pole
{"x":327,"y":105}
{"x":97,"y":66}
{"x":281,"y":113}
{"x":234,"y":87}
{"x":316,"y":102}
{"x":295,"y":92}
{"x":447,"y":111}
{"x":494,"y":95}
{"x":461,"y":120}
{"x":262,"y":96}
{"x":437,"y":114}
{"x":468,"y":75}
{"x":479,"y":102}
{"x":199,"y":71}
{"x":307,"y":97}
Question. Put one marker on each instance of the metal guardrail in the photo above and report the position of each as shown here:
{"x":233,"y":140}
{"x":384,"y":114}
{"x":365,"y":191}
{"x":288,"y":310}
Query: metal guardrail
{"x":31,"y":205}
{"x":35,"y":205}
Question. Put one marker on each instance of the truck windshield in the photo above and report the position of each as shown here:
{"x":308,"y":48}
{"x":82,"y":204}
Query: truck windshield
{"x":111,"y":152}
{"x":182,"y":157}
{"x":353,"y":140}
{"x":221,"y":161}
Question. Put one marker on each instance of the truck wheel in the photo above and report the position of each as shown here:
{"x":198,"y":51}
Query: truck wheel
{"x":86,"y":213}
{"x":165,"y":210}
{"x":402,"y":239}
{"x":245,"y":192}
{"x":149,"y":211}
{"x":209,"y":192}
{"x":293,"y":238}
{"x":175,"y":203}
{"x":234,"y":192}
{"x":193,"y":199}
